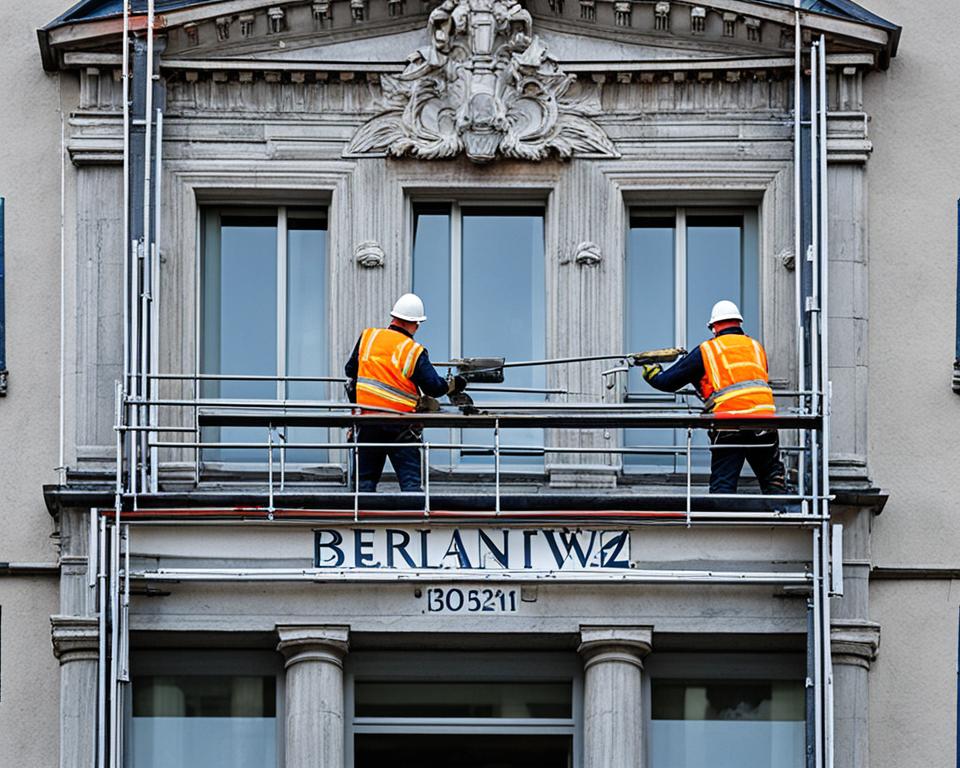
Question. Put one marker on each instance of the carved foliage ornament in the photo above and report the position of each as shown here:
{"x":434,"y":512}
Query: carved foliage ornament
{"x":484,"y":86}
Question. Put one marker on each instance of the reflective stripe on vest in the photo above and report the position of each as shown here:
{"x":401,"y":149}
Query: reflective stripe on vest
{"x":735,"y":381}
{"x":386,"y":360}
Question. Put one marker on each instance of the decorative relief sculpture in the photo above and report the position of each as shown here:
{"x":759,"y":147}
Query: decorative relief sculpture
{"x":484,"y":86}
{"x":369,"y":254}
{"x":588,"y":254}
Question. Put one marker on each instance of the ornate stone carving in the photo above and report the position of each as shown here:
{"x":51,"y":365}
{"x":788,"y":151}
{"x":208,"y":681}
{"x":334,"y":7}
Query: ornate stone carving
{"x":192,"y":32}
{"x":729,"y":24}
{"x":369,"y":254}
{"x":661,"y":16}
{"x":698,"y":19}
{"x":246,"y":24}
{"x":223,"y":28}
{"x":322,"y":13}
{"x":623,"y":12}
{"x":485,"y":86}
{"x":276,"y":15}
{"x":588,"y":254}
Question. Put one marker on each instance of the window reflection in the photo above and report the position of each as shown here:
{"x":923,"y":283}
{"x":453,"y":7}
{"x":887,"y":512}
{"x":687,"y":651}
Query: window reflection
{"x":203,"y":721}
{"x":711,"y":255}
{"x":727,"y":724}
{"x":247,"y":320}
{"x":485,"y":293}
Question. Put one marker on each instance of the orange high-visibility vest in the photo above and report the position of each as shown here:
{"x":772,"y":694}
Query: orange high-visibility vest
{"x":735,"y":382}
{"x":386,"y":360}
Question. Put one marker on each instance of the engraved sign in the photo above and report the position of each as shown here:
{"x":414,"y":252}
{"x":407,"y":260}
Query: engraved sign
{"x":471,"y":549}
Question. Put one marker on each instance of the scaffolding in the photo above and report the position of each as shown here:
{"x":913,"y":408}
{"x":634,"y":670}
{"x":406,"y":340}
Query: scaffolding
{"x":149,"y":426}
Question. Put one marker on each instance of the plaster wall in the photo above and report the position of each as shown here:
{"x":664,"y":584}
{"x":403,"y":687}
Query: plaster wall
{"x":914,"y":417}
{"x":30,"y":183}
{"x":913,"y":178}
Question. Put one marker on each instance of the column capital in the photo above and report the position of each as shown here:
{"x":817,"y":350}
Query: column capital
{"x":328,"y":643}
{"x":854,"y":642}
{"x":628,"y":644}
{"x":75,"y":638}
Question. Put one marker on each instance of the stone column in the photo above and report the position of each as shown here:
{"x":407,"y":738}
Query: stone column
{"x":853,"y":646}
{"x":75,"y":644}
{"x":612,"y":695}
{"x":314,"y":694}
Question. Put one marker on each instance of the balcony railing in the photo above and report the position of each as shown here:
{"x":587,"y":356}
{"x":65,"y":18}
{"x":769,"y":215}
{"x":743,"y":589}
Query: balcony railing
{"x":150,"y":429}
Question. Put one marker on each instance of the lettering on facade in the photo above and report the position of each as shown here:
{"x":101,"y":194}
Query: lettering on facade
{"x":485,"y":86}
{"x":471,"y":549}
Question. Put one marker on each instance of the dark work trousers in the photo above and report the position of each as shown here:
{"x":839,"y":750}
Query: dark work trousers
{"x":404,"y":459}
{"x":762,"y":453}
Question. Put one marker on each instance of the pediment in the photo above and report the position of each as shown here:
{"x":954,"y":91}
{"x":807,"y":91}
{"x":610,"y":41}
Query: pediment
{"x":384,"y":33}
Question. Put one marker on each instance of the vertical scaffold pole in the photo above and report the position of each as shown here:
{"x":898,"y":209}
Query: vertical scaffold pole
{"x":824,"y":384}
{"x":798,"y":236}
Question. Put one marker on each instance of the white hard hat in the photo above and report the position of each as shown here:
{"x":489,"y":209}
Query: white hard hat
{"x":724,"y":310}
{"x":409,"y":307}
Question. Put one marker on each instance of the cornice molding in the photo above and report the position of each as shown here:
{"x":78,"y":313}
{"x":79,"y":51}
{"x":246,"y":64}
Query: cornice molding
{"x":234,"y":27}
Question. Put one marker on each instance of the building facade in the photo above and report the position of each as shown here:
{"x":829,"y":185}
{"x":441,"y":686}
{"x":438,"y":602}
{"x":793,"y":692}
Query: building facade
{"x":557,"y":180}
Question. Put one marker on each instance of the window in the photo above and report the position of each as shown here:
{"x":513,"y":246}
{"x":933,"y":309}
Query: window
{"x":726,"y":712}
{"x":480,"y":272}
{"x":679,"y":263}
{"x":416,"y":710}
{"x":264,"y":313}
{"x":205,"y":710}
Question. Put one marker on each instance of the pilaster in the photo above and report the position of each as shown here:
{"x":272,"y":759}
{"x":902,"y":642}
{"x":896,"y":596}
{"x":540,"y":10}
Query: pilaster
{"x":314,"y":694}
{"x":854,"y":646}
{"x":612,"y":697}
{"x":75,"y":644}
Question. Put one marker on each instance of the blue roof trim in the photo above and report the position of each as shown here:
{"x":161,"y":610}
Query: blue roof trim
{"x":90,"y":10}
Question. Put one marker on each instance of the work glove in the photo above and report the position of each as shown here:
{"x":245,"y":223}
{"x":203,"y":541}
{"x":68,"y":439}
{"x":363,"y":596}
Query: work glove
{"x":650,"y":370}
{"x":456,"y":384}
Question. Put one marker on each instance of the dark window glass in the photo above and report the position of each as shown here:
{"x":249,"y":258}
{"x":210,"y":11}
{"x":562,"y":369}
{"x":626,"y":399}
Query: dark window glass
{"x":488,"y":699}
{"x":461,"y":751}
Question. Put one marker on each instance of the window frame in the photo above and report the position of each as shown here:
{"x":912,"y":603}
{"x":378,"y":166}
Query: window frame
{"x":282,"y":212}
{"x":207,"y":662}
{"x":752,"y":227}
{"x":460,"y":666}
{"x":458,"y":205}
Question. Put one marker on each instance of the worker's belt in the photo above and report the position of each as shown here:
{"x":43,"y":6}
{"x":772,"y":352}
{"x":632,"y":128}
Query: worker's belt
{"x":387,"y":392}
{"x":720,"y":395}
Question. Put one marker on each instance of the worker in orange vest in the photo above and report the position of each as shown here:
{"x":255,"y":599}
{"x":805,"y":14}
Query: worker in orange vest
{"x":729,"y":372}
{"x":388,"y":370}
